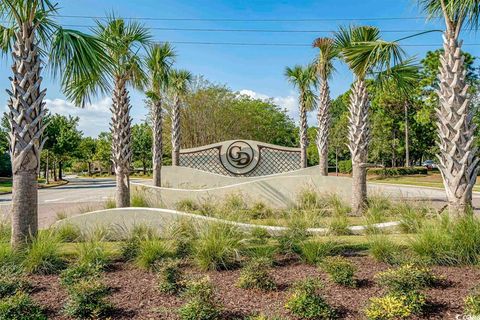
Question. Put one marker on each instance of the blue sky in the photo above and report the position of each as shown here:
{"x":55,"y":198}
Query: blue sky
{"x":258,"y":70}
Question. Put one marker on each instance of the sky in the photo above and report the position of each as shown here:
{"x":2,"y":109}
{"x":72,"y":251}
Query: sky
{"x":250,"y":69}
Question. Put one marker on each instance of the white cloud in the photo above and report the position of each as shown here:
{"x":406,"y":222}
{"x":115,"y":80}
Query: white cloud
{"x":289,"y":102}
{"x":93,"y":118}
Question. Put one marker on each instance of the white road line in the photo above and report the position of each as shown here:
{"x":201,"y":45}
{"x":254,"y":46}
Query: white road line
{"x":54,"y":200}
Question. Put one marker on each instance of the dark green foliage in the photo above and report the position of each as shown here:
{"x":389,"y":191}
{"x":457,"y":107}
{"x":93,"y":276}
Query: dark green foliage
{"x":20,"y":307}
{"x":12,"y":281}
{"x":151,"y":252}
{"x":306,"y":303}
{"x":201,"y":304}
{"x":42,"y":255}
{"x":340,"y":270}
{"x":87,"y":300}
{"x":170,"y":277}
{"x":398,"y":171}
{"x":255,"y":275}
{"x":345,"y":166}
{"x":79,"y":272}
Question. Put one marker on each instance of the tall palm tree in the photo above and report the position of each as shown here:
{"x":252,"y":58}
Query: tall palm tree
{"x":159,"y":60}
{"x":367,"y":56}
{"x":123,"y":40}
{"x":324,"y":64}
{"x":31,"y":36}
{"x":458,"y":161}
{"x":178,"y":84}
{"x":303,"y":78}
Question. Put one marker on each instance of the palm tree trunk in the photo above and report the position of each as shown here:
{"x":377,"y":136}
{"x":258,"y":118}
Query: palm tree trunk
{"x":407,"y":142}
{"x":121,"y":142}
{"x":303,"y":133}
{"x":26,"y":111}
{"x":358,"y":136}
{"x":157,"y":144}
{"x":47,"y":171}
{"x":457,"y":158}
{"x":176,"y":132}
{"x":323,"y":127}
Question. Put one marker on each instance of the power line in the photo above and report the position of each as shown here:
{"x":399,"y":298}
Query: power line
{"x":244,"y":30}
{"x":245,"y":20}
{"x":288,"y":44}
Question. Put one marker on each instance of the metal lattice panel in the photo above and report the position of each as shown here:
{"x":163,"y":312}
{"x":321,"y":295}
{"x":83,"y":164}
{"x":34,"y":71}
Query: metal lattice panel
{"x":226,"y":158}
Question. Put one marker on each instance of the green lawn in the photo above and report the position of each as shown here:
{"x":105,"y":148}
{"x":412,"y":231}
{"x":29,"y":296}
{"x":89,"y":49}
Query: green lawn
{"x":433,"y":180}
{"x":5,"y":186}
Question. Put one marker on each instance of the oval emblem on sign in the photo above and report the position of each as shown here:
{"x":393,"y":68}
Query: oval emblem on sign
{"x":239,"y":157}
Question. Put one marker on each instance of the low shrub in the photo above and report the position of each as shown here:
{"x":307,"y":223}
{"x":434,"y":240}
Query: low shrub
{"x":313,"y":251}
{"x":264,"y":317}
{"x":306,"y":303}
{"x":340,"y":270}
{"x":79,"y":272}
{"x":151,"y":252}
{"x":12,"y":281}
{"x":93,"y":252}
{"x":259,"y":235}
{"x":20,"y":307}
{"x":170,"y":277}
{"x":255,"y":275}
{"x":42,"y":255}
{"x":394,"y":306}
{"x":290,"y":240}
{"x":201,"y":304}
{"x":266,"y":252}
{"x":382,"y":249}
{"x":472,"y":302}
{"x":87,"y":300}
{"x":218,"y":247}
{"x":406,"y":278}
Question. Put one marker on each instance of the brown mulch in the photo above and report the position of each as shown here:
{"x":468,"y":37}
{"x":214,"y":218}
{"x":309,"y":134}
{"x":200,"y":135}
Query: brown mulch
{"x":135,"y":296}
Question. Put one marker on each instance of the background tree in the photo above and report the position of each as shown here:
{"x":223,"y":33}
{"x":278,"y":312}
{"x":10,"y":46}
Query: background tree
{"x":458,"y":161}
{"x":142,"y":145}
{"x":324,"y":65}
{"x":178,"y":85}
{"x":159,"y":60}
{"x":86,"y":152}
{"x":124,"y":40}
{"x":30,"y":34}
{"x":103,"y":152}
{"x":303,"y":78}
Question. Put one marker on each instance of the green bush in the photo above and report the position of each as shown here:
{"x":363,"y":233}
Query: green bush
{"x":170,"y":278}
{"x":12,"y":281}
{"x":306,"y":303}
{"x":399,"y":171}
{"x":339,"y":225}
{"x":290,"y":240}
{"x":10,"y":258}
{"x":87,"y":300}
{"x":20,"y":307}
{"x":255,"y":275}
{"x":42,"y":255}
{"x":265,"y":251}
{"x":93,"y":252}
{"x":406,"y":278}
{"x":138,"y":199}
{"x":340,"y":270}
{"x":345,"y":166}
{"x":472,"y":302}
{"x":201,"y":304}
{"x":449,"y":242}
{"x":218,"y":247}
{"x":394,"y":306}
{"x":259,"y":235}
{"x":259,"y":210}
{"x":264,"y":317}
{"x":412,"y":218}
{"x":151,"y":252}
{"x":79,"y":272}
{"x":313,"y":251}
{"x":183,"y":232}
{"x":382,"y":249}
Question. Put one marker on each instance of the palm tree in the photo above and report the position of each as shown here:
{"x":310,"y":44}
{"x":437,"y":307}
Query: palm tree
{"x":179,"y":81}
{"x":123,"y":40}
{"x":159,"y":59}
{"x":31,"y":35}
{"x":458,"y":161}
{"x":324,"y":64}
{"x":367,"y":56}
{"x":303,"y":78}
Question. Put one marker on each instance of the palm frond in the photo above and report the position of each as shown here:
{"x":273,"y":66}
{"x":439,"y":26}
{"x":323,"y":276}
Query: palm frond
{"x":179,"y":81}
{"x":404,"y":76}
{"x":159,"y":60}
{"x":324,"y":61}
{"x":457,"y":11}
{"x":7,"y":37}
{"x":80,"y":60}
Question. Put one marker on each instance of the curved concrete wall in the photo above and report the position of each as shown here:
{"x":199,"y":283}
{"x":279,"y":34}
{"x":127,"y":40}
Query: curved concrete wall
{"x":125,"y":219}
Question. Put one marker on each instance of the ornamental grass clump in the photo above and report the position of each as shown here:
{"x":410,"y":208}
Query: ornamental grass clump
{"x":43,"y":256}
{"x":382,"y":249}
{"x":93,"y":252}
{"x":255,"y":275}
{"x":340,"y":270}
{"x":306,"y":303}
{"x":151,"y":252}
{"x":313,"y":251}
{"x":201,"y":304}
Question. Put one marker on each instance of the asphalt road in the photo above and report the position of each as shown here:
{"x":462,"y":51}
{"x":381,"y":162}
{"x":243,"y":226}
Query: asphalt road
{"x":78,"y":196}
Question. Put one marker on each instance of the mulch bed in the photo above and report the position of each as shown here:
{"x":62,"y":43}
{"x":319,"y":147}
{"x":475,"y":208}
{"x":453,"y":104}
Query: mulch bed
{"x":135,"y":296}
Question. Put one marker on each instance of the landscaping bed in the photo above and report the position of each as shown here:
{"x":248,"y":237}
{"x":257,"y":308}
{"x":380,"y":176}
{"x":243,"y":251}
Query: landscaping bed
{"x":135,"y":294}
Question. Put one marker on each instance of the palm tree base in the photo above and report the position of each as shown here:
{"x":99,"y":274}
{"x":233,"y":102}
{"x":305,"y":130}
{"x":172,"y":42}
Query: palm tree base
{"x":359,"y":189}
{"x":24,"y":207}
